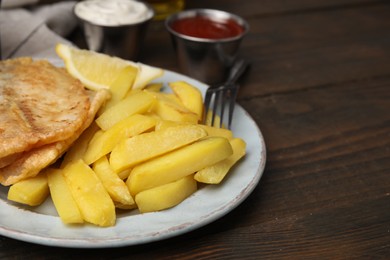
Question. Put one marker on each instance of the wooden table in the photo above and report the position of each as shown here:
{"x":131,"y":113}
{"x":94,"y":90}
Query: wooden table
{"x":319,"y":90}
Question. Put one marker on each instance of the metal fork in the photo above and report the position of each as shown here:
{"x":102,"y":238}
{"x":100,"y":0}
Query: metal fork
{"x":222,"y":97}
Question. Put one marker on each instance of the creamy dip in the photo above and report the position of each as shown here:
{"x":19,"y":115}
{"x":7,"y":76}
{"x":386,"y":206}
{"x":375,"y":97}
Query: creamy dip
{"x":112,"y":12}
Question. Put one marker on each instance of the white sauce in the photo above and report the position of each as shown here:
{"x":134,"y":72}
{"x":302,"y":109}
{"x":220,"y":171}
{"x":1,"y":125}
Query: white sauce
{"x":112,"y":12}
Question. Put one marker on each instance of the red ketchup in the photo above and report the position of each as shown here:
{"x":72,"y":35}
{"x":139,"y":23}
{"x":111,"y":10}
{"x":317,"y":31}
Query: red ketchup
{"x":207,"y":28}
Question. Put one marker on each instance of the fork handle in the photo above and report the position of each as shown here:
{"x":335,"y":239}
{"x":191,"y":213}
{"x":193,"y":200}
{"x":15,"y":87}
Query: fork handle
{"x":236,"y":71}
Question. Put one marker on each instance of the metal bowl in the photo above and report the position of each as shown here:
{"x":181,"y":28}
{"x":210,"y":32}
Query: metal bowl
{"x":208,"y":60}
{"x":123,"y":41}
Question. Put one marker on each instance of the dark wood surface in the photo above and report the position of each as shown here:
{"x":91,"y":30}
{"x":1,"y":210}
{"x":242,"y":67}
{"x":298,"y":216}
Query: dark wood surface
{"x":319,"y":90}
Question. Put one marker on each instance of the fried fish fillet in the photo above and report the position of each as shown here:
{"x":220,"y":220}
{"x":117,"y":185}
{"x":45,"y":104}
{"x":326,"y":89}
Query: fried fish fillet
{"x":7,"y":160}
{"x":39,"y":104}
{"x":33,"y":161}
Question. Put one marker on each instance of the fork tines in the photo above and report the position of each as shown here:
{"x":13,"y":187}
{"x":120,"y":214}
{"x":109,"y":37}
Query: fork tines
{"x":217,"y":100}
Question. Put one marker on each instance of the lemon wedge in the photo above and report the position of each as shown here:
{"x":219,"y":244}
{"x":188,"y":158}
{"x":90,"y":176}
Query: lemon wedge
{"x":94,"y":70}
{"x":97,"y":70}
{"x":145,"y":75}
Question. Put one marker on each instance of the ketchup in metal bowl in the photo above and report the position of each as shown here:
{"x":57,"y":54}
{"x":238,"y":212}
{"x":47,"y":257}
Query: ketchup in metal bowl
{"x":207,"y":25}
{"x":208,"y":28}
{"x":206,"y":42}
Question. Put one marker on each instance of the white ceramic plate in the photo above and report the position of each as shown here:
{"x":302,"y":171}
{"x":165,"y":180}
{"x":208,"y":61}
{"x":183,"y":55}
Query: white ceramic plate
{"x":41,"y":225}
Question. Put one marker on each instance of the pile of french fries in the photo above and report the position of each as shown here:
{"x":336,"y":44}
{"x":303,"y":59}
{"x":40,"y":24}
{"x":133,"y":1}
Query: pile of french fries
{"x":146,"y":150}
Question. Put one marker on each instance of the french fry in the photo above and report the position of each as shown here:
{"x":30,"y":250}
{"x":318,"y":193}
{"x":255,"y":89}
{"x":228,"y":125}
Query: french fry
{"x":62,"y":197}
{"x":94,"y":202}
{"x":138,"y":102}
{"x":166,"y":196}
{"x":178,"y":163}
{"x":115,"y":187}
{"x":211,"y":130}
{"x":146,"y":146}
{"x":190,"y":96}
{"x":32,"y":191}
{"x":214,"y":174}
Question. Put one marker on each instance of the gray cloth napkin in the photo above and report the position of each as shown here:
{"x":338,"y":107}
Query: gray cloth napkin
{"x":36,"y":31}
{"x":17,"y":3}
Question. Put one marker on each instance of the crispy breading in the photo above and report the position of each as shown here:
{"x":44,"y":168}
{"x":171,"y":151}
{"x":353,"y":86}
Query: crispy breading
{"x":39,"y":104}
{"x":7,"y":160}
{"x":33,"y":161}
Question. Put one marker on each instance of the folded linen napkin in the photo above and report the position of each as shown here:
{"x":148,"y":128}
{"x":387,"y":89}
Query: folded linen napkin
{"x":34,"y":31}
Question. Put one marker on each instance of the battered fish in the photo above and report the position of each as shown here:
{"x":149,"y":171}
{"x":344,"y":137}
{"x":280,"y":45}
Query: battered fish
{"x":33,"y":161}
{"x":40,"y":104}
